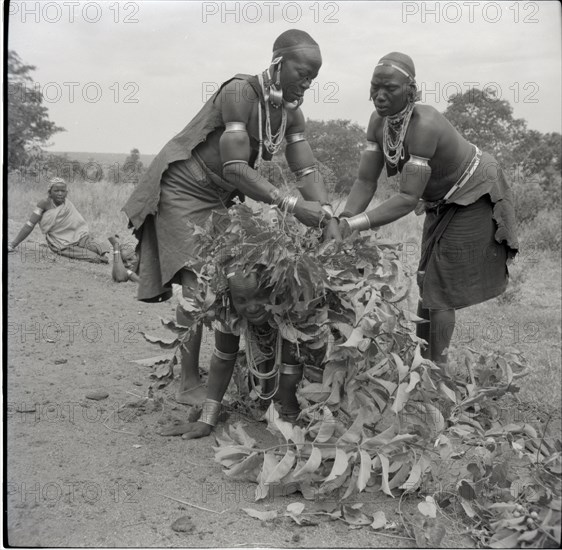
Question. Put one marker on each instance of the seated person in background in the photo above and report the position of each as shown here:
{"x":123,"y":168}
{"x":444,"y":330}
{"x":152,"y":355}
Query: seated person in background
{"x":64,"y":228}
{"x":273,"y":361}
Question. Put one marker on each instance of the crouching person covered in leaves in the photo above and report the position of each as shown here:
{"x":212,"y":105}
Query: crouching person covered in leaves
{"x":275,"y":364}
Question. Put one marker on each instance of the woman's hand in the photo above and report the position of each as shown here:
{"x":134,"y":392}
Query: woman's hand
{"x":344,"y":228}
{"x":332,"y":231}
{"x":196,"y":430}
{"x":309,"y":212}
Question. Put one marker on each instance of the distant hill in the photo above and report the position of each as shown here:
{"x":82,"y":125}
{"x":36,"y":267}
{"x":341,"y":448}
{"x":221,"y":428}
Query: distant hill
{"x":105,"y":159}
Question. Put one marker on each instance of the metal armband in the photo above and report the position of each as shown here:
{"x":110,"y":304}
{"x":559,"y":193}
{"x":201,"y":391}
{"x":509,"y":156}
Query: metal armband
{"x":232,"y":127}
{"x":30,"y":224}
{"x":418,"y":161}
{"x":299,"y":174}
{"x":373,"y":146}
{"x":287,"y":368}
{"x":224,"y":356}
{"x":295,"y":138}
{"x":38,"y":211}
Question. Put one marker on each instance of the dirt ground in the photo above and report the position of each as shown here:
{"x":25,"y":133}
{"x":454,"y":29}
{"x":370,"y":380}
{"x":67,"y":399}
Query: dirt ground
{"x":84,"y":472}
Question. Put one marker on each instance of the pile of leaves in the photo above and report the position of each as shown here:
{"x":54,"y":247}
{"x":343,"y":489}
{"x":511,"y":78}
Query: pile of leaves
{"x":381,"y":417}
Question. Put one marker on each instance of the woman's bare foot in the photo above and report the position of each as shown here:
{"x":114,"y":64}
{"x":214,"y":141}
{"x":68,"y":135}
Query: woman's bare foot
{"x":177,"y":428}
{"x":119,"y":272}
{"x":192,"y":396}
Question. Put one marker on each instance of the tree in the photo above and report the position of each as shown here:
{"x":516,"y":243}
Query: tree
{"x":487,"y":121}
{"x":29,"y":126}
{"x":337,"y":144}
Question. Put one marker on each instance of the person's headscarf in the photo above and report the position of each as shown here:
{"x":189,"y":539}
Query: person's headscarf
{"x":54,"y":181}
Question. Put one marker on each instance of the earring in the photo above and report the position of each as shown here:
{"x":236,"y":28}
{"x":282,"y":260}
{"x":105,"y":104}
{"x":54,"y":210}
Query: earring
{"x":275,"y":91}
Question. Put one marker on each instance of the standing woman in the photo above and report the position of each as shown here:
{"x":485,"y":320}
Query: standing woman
{"x":215,"y":159}
{"x":469,"y":228}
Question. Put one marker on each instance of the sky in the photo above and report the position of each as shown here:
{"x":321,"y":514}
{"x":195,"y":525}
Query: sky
{"x":119,"y":75}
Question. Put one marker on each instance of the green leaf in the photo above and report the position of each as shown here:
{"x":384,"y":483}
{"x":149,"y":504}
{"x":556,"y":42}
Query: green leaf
{"x":327,"y":426}
{"x":275,"y":424}
{"x":355,"y":339}
{"x":448,"y":392}
{"x":340,"y":465}
{"x":283,"y":468}
{"x":384,"y":482}
{"x":428,"y":508}
{"x":312,"y":464}
{"x":244,"y":469}
{"x":434,"y":415}
{"x":165,"y":343}
{"x":295,"y":508}
{"x":314,"y":392}
{"x":379,"y":520}
{"x":353,"y":434}
{"x":269,"y":464}
{"x":414,"y":379}
{"x":263,"y":516}
{"x":364,"y":470}
{"x":415,"y":477}
{"x":240,"y":436}
{"x":401,"y":398}
{"x":402,"y":369}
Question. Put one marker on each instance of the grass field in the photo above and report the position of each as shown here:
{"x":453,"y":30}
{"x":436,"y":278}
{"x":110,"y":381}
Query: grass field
{"x":527,"y":318}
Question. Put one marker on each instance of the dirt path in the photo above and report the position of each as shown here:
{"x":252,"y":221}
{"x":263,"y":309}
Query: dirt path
{"x":73,"y":481}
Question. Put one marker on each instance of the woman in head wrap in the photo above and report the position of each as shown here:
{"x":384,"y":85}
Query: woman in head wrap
{"x":215,"y":159}
{"x":469,"y":229}
{"x":64,"y":228}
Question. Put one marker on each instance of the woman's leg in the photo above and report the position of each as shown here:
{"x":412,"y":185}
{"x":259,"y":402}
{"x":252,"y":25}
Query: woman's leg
{"x":442,"y":326}
{"x":191,"y":390}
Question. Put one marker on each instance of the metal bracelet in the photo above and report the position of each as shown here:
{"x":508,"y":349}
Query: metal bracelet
{"x":210,"y":412}
{"x":235,"y":127}
{"x":359,"y":222}
{"x":225,"y":164}
{"x":299,"y":174}
{"x":294,"y":138}
{"x":289,"y":203}
{"x":30,"y":224}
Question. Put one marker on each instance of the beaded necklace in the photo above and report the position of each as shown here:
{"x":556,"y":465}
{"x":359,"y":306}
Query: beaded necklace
{"x":273,"y":348}
{"x":272,"y":141}
{"x":394,"y":132}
